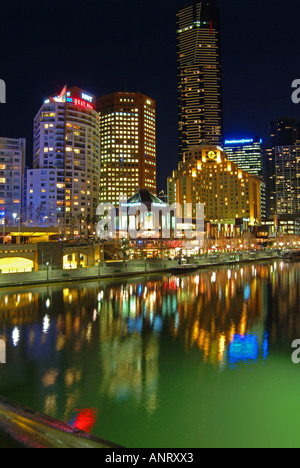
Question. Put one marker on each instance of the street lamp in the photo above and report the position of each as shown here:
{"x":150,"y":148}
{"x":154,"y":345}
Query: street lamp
{"x":47,"y":263}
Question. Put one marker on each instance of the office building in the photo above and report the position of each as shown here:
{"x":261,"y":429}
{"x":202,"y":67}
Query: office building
{"x":63,"y":186}
{"x":229,"y":194}
{"x":200,"y":110}
{"x":248,"y":154}
{"x":12,"y":162}
{"x":284,"y":131}
{"x":287,"y":176}
{"x":128,"y":145}
{"x":283,"y":168}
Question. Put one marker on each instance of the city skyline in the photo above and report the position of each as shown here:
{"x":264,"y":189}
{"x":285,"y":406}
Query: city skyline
{"x":149,"y":64}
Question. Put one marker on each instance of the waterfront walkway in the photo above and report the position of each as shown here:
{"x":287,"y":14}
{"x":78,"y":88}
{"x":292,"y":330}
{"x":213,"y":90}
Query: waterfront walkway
{"x":129,"y":268}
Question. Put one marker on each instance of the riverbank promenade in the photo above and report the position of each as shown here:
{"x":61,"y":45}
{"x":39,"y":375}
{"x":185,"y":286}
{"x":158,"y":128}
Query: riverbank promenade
{"x":129,"y":268}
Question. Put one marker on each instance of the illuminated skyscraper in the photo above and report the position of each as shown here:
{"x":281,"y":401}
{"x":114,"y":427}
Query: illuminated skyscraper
{"x":247,"y":153}
{"x":283,"y":167}
{"x":63,"y":186}
{"x":200,"y":110}
{"x":287,"y":176}
{"x":128,"y":145}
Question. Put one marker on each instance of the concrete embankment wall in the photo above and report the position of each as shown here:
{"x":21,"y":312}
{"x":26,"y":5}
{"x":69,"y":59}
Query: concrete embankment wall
{"x":125,"y":269}
{"x":22,"y":427}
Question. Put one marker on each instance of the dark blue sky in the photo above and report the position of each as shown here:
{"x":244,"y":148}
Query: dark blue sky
{"x":107,"y":46}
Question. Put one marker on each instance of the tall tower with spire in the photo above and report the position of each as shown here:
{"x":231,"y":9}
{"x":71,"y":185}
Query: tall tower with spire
{"x":200,"y":109}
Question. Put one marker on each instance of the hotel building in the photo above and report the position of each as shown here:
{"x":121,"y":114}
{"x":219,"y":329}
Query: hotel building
{"x":229,"y":194}
{"x":128,"y":145}
{"x":63,"y":186}
{"x":12,"y":162}
{"x":200,"y":108}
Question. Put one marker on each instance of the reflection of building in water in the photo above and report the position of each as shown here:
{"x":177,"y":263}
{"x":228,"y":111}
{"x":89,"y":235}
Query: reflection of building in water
{"x":107,"y":336}
{"x":19,"y":307}
{"x":222,"y":305}
{"x":129,"y":358}
{"x":284,"y":300}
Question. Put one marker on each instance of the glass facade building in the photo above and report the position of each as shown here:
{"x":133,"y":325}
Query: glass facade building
{"x":283,"y":168}
{"x":200,"y":110}
{"x":248,"y":154}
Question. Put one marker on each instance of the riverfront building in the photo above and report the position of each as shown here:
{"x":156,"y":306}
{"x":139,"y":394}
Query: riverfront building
{"x":200,"y":112}
{"x":128,"y":145}
{"x":229,"y":194}
{"x":63,"y":186}
{"x":12,"y":161}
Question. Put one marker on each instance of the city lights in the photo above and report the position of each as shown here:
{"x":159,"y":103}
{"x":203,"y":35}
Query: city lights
{"x":149,"y":240}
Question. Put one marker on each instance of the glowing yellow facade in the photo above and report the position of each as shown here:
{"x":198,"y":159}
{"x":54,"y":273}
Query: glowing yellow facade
{"x":127,"y":145}
{"x":206,"y":176}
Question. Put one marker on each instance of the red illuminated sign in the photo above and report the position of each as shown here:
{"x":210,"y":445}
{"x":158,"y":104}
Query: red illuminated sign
{"x":81,"y":103}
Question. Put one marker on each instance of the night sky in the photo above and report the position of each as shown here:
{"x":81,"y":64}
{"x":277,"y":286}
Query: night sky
{"x":106,"y":46}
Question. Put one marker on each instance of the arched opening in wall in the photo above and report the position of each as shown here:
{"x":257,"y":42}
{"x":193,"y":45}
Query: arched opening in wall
{"x":74,"y":260}
{"x":16,"y":265}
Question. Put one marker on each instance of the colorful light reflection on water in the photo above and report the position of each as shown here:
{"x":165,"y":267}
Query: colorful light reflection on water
{"x":201,"y":360}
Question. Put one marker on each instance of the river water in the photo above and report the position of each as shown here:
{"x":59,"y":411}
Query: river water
{"x":199,"y":360}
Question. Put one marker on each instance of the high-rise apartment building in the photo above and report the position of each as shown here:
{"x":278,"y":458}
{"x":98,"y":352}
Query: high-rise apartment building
{"x":12,"y":162}
{"x":248,"y":154}
{"x":200,"y":109}
{"x":206,"y":176}
{"x":283,"y":167}
{"x":128,"y":145}
{"x":63,"y":186}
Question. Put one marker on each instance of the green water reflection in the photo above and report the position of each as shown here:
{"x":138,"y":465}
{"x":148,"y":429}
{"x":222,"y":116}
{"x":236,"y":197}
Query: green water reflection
{"x":201,"y":360}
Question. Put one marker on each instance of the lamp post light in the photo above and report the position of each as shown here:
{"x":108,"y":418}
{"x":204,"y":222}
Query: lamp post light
{"x":15,"y":217}
{"x":99,"y":263}
{"x":47,"y":263}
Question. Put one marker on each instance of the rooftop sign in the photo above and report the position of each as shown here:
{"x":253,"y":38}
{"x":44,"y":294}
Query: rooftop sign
{"x":239,"y":142}
{"x":244,"y":141}
{"x":74,"y":96}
